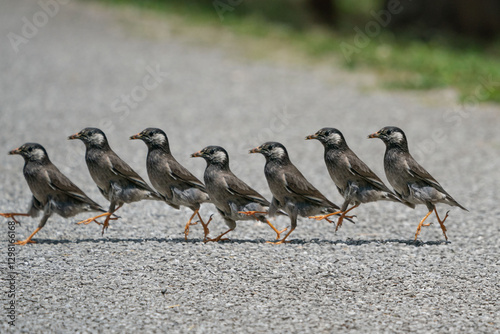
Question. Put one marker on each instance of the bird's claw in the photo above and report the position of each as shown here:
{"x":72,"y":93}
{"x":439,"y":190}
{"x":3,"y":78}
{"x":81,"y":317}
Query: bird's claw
{"x":24,"y":242}
{"x":278,"y":234}
{"x":318,"y":218}
{"x":278,"y":242}
{"x":206,"y":231}
{"x":88,"y":221}
{"x":214,"y":239}
{"x":252,"y":213}
{"x":104,"y":227}
{"x":13,"y":216}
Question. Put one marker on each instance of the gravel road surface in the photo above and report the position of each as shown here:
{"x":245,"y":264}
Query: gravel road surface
{"x":90,"y":66}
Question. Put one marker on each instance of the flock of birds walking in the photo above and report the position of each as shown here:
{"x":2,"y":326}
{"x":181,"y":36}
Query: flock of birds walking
{"x":293,"y":194}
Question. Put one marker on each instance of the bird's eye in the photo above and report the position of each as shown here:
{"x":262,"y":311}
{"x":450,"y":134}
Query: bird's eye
{"x":30,"y":149}
{"x":389,"y":132}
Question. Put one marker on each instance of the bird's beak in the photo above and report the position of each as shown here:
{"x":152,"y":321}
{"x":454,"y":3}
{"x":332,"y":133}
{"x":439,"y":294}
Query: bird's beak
{"x":255,"y":150}
{"x":197,"y":154}
{"x":314,"y":136}
{"x":375,"y":135}
{"x":15,"y":151}
{"x":137,"y":136}
{"x":75,"y":136}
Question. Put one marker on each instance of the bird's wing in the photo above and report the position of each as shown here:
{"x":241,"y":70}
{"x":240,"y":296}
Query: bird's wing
{"x":178,"y":172}
{"x":58,"y":181}
{"x":359,"y":168}
{"x":121,"y":168}
{"x":418,"y":172}
{"x":237,"y":187}
{"x":297,"y":184}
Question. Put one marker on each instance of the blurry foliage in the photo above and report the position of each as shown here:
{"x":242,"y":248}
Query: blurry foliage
{"x":404,"y":60}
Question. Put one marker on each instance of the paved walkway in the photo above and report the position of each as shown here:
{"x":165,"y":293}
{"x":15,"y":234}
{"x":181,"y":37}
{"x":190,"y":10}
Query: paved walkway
{"x":91,"y":66}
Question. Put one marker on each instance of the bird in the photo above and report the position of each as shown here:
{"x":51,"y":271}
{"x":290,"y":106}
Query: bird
{"x":232,"y":197}
{"x":355,"y":181}
{"x":291,"y":191}
{"x":174,"y":182}
{"x":411,"y":182}
{"x":52,"y":191}
{"x":115,"y":179}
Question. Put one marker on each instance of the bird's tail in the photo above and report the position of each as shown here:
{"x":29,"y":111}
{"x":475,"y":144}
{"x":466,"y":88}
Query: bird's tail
{"x":452,"y":201}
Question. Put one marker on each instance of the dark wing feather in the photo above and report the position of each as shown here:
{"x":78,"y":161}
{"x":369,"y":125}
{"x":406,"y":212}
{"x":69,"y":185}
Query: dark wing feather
{"x":297,"y":184}
{"x":359,"y":168}
{"x":421,"y":174}
{"x":58,"y":181}
{"x":121,"y":168}
{"x":239,"y":188}
{"x":179,"y":172}
{"x":418,"y":172}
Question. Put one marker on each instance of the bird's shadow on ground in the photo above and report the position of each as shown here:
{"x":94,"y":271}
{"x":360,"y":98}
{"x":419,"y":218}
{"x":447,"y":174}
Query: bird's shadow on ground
{"x":347,"y":242}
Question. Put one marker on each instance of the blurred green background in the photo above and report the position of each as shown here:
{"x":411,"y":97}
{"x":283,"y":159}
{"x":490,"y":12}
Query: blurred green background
{"x":411,"y":44}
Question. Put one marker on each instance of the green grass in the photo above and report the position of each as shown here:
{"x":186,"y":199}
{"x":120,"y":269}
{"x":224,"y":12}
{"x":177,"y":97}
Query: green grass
{"x":403,"y":61}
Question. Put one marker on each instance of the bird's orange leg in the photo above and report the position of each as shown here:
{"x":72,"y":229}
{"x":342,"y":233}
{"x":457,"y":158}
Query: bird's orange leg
{"x":342,"y":216}
{"x":282,"y":240}
{"x":421,"y":224}
{"x":441,"y":222}
{"x":13,"y":214}
{"x":252,"y":213}
{"x":219,"y":237}
{"x":186,"y":229}
{"x":321,"y":217}
{"x":106,"y":222}
{"x":206,"y":231}
{"x":278,"y":233}
{"x":28,"y":239}
{"x":93,"y":219}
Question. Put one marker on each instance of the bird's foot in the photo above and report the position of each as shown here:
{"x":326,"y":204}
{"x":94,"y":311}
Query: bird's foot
{"x":108,"y":218}
{"x":12,"y":215}
{"x":219,"y":238}
{"x":186,"y":229}
{"x":419,"y":227}
{"x":321,"y":217}
{"x":341,"y":219}
{"x":253,"y":213}
{"x":278,"y":242}
{"x":206,"y":231}
{"x":278,"y":233}
{"x":24,"y":242}
{"x":441,"y":223}
{"x":94,"y":219}
{"x":339,"y":224}
{"x":215,"y":239}
{"x":88,"y":221}
{"x":105,"y":226}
